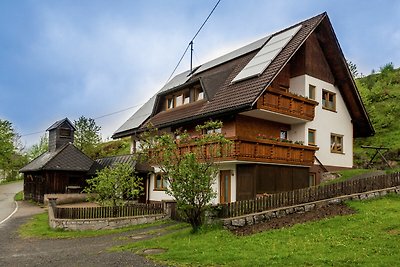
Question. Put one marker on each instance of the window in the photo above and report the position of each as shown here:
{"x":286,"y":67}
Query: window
{"x":312,"y":179}
{"x":284,"y":135}
{"x":336,"y":143}
{"x":186,"y":97}
{"x":170,"y":103}
{"x":179,"y":100}
{"x":65,"y":133}
{"x":217,"y":130}
{"x":160,"y":182}
{"x":311,"y":91}
{"x":311,"y":137}
{"x":328,"y":100}
{"x":199,"y":94}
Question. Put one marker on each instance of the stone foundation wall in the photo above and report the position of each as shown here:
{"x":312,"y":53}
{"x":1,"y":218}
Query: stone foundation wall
{"x":250,"y":219}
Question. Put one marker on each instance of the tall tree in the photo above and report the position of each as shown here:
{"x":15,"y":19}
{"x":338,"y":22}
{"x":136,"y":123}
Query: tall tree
{"x":38,"y":149}
{"x":87,"y":135}
{"x":190,"y":172}
{"x":353,"y":68}
{"x":10,"y":150}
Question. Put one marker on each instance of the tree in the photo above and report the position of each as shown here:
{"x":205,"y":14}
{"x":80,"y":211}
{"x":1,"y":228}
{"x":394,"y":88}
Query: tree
{"x":87,"y":135}
{"x":38,"y":149}
{"x":190,"y":172}
{"x":353,"y":68}
{"x":10,"y":150}
{"x":115,"y":185}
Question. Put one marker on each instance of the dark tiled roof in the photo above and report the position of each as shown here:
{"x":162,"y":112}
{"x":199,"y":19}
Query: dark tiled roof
{"x":66,"y":158}
{"x":225,"y":96}
{"x":129,"y":159}
{"x":59,"y":123}
{"x":111,"y":161}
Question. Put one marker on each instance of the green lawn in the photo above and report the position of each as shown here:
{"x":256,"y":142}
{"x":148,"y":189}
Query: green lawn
{"x":38,"y":227}
{"x":370,"y":237}
{"x":347,"y":174}
{"x":19,"y":196}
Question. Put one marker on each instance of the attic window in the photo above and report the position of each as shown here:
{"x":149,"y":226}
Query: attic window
{"x":170,"y":103}
{"x":179,"y":100}
{"x":199,"y":94}
{"x":328,"y":100}
{"x":65,"y":133}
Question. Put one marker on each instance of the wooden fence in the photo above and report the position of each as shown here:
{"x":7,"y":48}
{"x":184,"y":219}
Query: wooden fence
{"x":306,"y":195}
{"x":107,"y":212}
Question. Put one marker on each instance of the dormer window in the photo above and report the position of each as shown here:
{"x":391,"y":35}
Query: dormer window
{"x":199,"y":94}
{"x":184,"y":97}
{"x":170,"y":103}
{"x":179,"y":100}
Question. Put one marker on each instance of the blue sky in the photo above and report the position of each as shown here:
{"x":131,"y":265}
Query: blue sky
{"x":70,"y":58}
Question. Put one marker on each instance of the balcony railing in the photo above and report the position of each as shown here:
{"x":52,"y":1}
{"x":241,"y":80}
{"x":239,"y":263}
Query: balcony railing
{"x":259,"y":150}
{"x":287,"y":103}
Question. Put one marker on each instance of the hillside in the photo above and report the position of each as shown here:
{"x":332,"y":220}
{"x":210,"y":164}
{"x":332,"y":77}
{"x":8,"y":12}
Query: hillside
{"x":381,"y":95}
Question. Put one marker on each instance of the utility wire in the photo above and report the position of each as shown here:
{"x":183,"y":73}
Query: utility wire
{"x":177,"y":65}
{"x":100,"y":117}
{"x":191,"y":41}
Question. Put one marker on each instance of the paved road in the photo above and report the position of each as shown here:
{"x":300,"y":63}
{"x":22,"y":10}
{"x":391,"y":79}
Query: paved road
{"x":79,"y":252}
{"x":7,"y":203}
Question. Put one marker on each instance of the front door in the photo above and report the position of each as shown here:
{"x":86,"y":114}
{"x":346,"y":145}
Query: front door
{"x":225,"y":186}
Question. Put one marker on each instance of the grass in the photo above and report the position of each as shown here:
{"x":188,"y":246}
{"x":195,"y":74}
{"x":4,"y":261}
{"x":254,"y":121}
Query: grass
{"x":19,"y":196}
{"x":2,"y":182}
{"x":347,"y":174}
{"x":370,"y":237}
{"x":38,"y":227}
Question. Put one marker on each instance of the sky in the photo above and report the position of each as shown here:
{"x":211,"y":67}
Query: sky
{"x":103,"y":59}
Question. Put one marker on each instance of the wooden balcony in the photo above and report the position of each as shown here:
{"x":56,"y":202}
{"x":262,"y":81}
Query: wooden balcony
{"x":261,"y":150}
{"x":288,"y":104}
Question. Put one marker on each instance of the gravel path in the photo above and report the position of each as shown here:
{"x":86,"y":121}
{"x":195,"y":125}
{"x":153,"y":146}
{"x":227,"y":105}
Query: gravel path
{"x":15,"y":251}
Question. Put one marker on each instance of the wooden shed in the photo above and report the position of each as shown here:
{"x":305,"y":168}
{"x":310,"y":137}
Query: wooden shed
{"x":61,"y":169}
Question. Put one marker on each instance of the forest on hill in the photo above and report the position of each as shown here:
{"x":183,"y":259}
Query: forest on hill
{"x":380,"y":93}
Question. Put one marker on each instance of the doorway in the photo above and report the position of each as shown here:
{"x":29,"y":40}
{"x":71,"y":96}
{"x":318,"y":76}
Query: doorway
{"x":225,"y":186}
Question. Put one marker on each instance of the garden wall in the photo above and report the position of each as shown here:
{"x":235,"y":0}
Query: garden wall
{"x":250,"y":219}
{"x":102,"y":223}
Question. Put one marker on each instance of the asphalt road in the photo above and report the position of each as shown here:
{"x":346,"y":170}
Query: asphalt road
{"x":7,"y":203}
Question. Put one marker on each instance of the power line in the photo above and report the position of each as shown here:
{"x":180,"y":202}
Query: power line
{"x":191,"y":41}
{"x":100,"y":117}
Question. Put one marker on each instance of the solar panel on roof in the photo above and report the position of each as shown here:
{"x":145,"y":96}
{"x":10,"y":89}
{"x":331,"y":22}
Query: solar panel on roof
{"x":264,"y":57}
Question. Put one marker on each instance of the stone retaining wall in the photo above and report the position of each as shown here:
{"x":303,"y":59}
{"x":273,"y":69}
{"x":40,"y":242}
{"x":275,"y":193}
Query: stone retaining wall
{"x":250,"y":219}
{"x":103,"y":223}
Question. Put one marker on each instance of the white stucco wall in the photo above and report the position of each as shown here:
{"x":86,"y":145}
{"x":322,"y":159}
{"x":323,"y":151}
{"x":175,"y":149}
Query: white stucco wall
{"x":325,"y":123}
{"x":159,"y":195}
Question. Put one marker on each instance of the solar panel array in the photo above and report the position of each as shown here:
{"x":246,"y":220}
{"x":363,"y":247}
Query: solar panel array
{"x":264,"y":57}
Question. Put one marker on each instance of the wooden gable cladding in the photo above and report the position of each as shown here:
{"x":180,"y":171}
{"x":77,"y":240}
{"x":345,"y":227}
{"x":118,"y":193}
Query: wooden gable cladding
{"x":310,"y":59}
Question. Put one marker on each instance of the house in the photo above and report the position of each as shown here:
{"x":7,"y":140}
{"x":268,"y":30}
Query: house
{"x":61,"y":169}
{"x":287,"y":101}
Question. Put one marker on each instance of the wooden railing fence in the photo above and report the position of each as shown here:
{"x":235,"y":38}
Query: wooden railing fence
{"x":107,"y":212}
{"x":306,"y":195}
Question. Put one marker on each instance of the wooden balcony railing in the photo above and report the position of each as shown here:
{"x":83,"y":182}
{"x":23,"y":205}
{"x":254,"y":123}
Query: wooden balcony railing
{"x":260,"y":150}
{"x":287,"y":103}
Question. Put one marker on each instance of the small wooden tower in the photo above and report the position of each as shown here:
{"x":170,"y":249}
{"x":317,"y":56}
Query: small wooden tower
{"x":60,"y":133}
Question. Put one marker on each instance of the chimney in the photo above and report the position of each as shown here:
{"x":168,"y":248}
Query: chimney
{"x":60,"y":133}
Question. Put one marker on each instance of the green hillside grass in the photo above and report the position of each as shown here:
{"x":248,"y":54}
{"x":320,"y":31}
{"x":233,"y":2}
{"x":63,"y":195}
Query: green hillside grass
{"x":381,"y":95}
